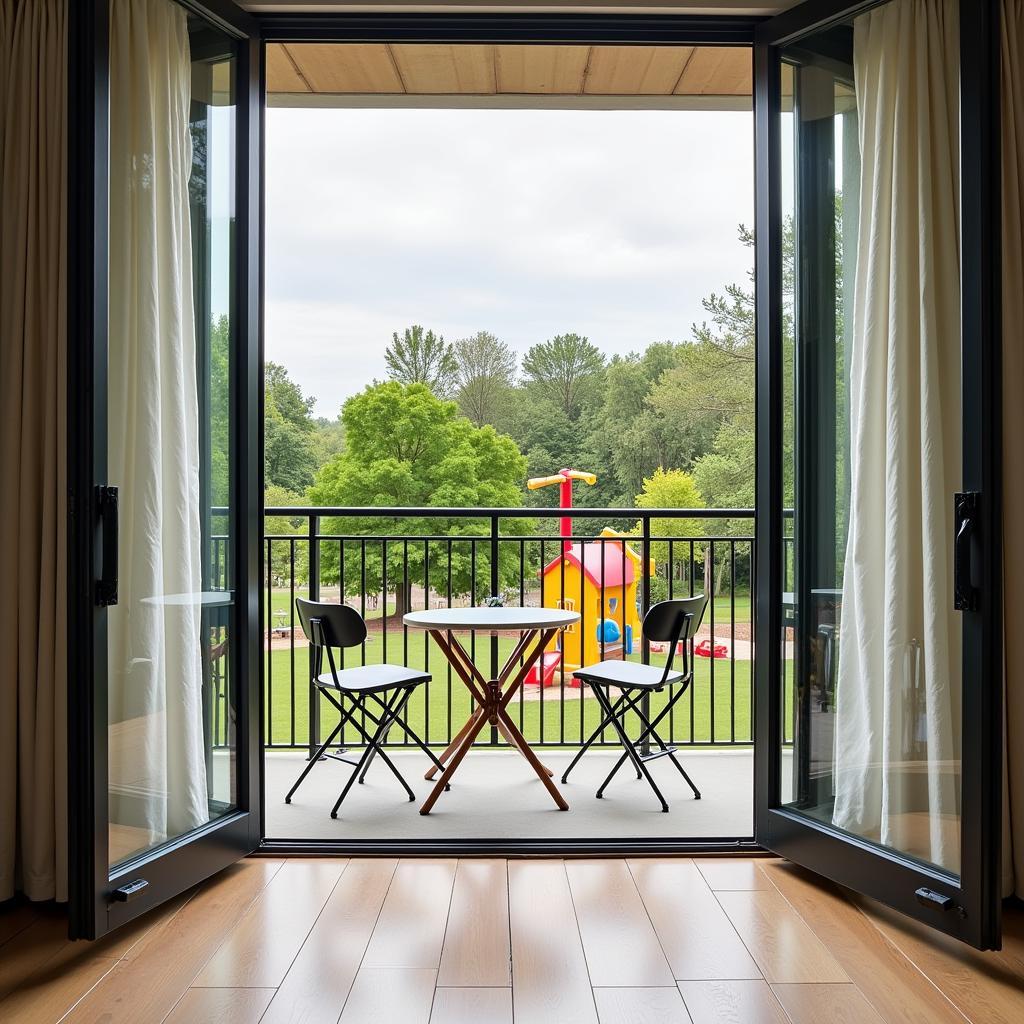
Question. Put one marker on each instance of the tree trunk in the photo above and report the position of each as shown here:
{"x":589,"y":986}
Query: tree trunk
{"x":403,"y":600}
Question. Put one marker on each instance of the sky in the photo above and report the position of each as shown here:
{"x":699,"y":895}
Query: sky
{"x":524,"y":223}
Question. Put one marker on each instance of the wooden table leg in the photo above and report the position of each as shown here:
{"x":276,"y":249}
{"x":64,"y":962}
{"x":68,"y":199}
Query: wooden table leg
{"x":450,"y":749}
{"x":535,"y":764}
{"x":516,"y":739}
{"x":449,"y":771}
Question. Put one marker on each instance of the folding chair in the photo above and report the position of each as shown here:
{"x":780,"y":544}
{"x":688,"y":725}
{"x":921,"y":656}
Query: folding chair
{"x":377,"y":694}
{"x":673,"y":621}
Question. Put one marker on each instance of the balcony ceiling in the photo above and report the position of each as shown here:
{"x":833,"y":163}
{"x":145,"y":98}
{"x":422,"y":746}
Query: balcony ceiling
{"x":297,"y":70}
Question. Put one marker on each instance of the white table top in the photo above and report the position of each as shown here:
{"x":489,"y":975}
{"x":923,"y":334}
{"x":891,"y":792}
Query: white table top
{"x":491,"y":618}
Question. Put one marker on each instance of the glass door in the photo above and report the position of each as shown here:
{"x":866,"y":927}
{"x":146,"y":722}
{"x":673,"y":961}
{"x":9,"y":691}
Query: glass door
{"x":166,"y":490}
{"x":878,"y":532}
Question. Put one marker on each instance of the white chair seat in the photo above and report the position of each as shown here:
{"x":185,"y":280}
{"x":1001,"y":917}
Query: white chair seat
{"x":372,"y":678}
{"x":628,"y":674}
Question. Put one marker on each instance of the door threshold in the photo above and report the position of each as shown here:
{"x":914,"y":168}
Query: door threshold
{"x":508,"y":848}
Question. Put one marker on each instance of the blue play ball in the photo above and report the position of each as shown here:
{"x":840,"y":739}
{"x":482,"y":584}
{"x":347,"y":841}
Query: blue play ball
{"x":608,"y":631}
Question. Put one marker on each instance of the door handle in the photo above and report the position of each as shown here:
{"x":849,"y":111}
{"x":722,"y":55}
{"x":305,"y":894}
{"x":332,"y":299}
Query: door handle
{"x":966,"y":552}
{"x":106,"y":585}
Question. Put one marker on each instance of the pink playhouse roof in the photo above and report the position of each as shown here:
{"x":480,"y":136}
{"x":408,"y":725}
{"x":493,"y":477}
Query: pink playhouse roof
{"x":610,"y":571}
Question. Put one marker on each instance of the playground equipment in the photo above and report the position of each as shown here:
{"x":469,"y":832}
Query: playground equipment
{"x":597,"y":578}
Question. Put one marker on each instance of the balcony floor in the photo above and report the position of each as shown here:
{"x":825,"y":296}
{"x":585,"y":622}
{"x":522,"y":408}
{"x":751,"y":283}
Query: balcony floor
{"x":495,"y":795}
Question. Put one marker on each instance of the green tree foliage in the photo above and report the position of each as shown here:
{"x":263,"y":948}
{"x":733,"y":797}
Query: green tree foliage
{"x":566,"y":371}
{"x":289,"y":440}
{"x":406,"y":447}
{"x":422,"y":357}
{"x":484,"y":377}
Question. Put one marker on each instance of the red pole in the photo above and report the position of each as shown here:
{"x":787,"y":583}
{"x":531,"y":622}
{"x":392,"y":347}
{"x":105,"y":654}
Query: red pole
{"x":565,"y":501}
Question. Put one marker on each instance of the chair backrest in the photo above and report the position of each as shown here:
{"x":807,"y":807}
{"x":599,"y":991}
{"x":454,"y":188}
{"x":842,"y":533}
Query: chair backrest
{"x":678,"y":619}
{"x":337,"y":625}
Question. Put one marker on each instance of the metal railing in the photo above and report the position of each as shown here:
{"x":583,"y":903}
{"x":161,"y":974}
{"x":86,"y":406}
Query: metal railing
{"x":386,"y":561}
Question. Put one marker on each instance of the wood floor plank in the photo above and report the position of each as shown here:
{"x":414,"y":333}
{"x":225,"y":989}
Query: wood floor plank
{"x":477,"y":945}
{"x":696,"y":934}
{"x":549,"y":970}
{"x":640,"y":1006}
{"x":318,"y":982}
{"x":620,"y":943}
{"x":54,"y":988}
{"x":221,"y":1006}
{"x":472,"y":1006}
{"x":889,"y":980}
{"x":987,"y":988}
{"x":815,"y":1004}
{"x":36,"y":944}
{"x":146,"y":986}
{"x":384,"y":994}
{"x":16,"y":919}
{"x":264,"y":943}
{"x":782,"y":945}
{"x":411,"y":926}
{"x":733,"y":872}
{"x":732,"y":1002}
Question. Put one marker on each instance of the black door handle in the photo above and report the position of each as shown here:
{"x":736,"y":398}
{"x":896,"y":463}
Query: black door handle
{"x":966,"y":569}
{"x":106,"y":585}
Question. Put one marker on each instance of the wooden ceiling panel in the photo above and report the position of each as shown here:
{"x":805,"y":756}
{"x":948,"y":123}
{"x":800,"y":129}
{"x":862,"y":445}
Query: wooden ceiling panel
{"x":281,"y":73}
{"x":718,"y":71}
{"x":635,"y":70}
{"x":430,"y":68}
{"x":346,"y":67}
{"x":541,"y":69}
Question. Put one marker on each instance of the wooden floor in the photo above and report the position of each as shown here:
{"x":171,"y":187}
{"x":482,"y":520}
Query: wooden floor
{"x":645,"y":941}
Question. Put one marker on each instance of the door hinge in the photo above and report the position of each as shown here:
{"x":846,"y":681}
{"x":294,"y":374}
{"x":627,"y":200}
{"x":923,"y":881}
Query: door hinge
{"x":126,"y":893}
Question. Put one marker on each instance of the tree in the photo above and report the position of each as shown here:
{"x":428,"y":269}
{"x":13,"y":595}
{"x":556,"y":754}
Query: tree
{"x":421,"y":357}
{"x":404,"y":446}
{"x":566,"y":371}
{"x":289,"y":435}
{"x":672,"y":489}
{"x":485,"y":375}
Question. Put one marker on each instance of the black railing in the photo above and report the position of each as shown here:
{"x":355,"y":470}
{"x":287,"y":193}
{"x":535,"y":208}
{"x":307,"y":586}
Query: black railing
{"x":386,"y":561}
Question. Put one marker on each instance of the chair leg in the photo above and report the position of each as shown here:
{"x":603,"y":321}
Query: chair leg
{"x":389,"y":711}
{"x":312,"y":761}
{"x":629,"y":751}
{"x":593,"y":736}
{"x":407,"y":729}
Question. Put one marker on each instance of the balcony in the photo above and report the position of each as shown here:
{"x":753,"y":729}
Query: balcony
{"x":387,"y":561}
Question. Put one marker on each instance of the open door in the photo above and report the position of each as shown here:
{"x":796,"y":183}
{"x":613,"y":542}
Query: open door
{"x":165,"y":466}
{"x":878,"y":529}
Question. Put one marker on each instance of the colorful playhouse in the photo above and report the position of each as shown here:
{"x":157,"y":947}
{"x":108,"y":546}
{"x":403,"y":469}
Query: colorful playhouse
{"x":600,"y":582}
{"x":596,"y":578}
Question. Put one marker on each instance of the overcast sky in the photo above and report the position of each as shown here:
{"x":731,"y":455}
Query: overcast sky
{"x":525,"y":223}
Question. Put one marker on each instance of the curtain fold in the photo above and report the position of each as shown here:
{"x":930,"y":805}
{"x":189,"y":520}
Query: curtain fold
{"x":1012,"y":72}
{"x":157,"y":762}
{"x":33,"y":681}
{"x":897,"y":724}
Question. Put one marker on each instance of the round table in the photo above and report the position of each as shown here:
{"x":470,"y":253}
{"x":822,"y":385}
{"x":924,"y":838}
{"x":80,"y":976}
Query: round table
{"x":537,"y":628}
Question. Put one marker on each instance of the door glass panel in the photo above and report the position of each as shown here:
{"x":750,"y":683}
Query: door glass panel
{"x":171,"y":692}
{"x":872,"y":411}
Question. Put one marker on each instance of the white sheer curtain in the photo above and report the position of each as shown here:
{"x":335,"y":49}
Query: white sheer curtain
{"x":898,"y":694}
{"x":156,"y":739}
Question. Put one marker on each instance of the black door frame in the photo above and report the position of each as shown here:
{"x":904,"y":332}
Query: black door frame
{"x":858,"y":864}
{"x":181,"y":863}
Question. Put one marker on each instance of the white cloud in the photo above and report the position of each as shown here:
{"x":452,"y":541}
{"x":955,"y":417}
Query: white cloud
{"x":527,"y":223}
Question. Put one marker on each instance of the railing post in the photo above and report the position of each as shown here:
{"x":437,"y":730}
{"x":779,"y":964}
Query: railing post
{"x":645,"y":643}
{"x":495,"y":584}
{"x":314,"y":595}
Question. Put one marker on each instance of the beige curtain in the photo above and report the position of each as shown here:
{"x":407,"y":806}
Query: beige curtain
{"x":33,"y":745}
{"x":898,"y":694}
{"x":1013,"y":434}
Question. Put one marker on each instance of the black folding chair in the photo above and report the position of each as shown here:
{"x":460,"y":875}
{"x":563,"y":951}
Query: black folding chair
{"x":388,"y":687}
{"x":677,"y":623}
